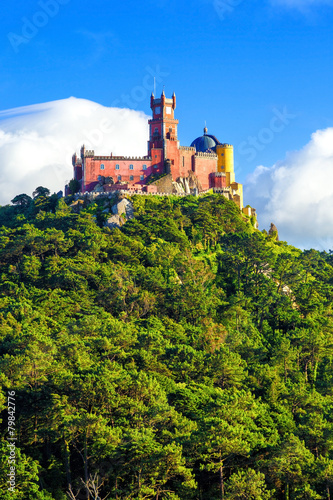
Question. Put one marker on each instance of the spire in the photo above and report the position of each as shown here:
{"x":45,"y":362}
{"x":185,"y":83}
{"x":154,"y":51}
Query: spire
{"x":205,"y":129}
{"x":163,"y":97}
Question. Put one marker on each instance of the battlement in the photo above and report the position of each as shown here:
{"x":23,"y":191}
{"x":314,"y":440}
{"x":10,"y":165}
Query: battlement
{"x":205,"y":155}
{"x":89,"y":153}
{"x":186,"y":148}
{"x":122,"y":158}
{"x":226,"y":146}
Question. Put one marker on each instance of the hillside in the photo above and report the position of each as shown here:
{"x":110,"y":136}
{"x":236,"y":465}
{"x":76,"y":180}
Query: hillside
{"x":184,"y":355}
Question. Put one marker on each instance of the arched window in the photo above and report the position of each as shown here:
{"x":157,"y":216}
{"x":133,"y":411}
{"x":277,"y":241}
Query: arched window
{"x":131,"y":167}
{"x":102,"y":166}
{"x":117,"y":167}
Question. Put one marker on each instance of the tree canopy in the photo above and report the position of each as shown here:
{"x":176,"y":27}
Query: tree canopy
{"x":184,"y":356}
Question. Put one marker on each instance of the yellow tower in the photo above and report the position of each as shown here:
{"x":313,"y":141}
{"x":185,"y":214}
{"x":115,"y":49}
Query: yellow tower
{"x":225,"y":164}
{"x":225,"y":161}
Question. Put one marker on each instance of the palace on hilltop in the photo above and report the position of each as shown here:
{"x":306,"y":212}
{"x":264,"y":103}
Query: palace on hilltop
{"x":168,"y":167}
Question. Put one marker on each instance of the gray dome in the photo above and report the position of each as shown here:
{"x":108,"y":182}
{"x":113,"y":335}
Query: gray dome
{"x":205,"y":143}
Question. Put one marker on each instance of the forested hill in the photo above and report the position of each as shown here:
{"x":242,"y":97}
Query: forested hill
{"x":184,"y":355}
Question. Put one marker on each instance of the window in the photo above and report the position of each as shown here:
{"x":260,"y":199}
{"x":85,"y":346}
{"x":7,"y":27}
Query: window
{"x":119,"y":177}
{"x":131,"y":177}
{"x":168,"y":111}
{"x":183,"y":161}
{"x":144,"y":167}
{"x":131,"y":167}
{"x":156,"y":131}
{"x":157,"y":110}
{"x":117,"y":167}
{"x":155,"y":166}
{"x":142,"y":177}
{"x":102,"y":166}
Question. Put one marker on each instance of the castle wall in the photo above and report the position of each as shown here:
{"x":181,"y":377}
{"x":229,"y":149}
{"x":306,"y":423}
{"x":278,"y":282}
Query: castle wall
{"x":78,"y":171}
{"x":237,"y":191}
{"x":205,"y":164}
{"x":157,"y":161}
{"x":125,"y":170}
{"x":172,"y":153}
{"x":219,"y":180}
{"x":186,"y":156}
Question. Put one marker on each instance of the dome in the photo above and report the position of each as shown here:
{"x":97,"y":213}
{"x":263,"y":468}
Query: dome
{"x":205,"y":143}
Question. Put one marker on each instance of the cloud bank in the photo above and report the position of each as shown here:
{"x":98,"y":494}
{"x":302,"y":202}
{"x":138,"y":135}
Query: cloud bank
{"x":37,"y":142}
{"x":297,"y":194}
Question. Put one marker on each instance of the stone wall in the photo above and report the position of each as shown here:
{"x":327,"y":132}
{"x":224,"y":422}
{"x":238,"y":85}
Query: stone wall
{"x":164,"y":185}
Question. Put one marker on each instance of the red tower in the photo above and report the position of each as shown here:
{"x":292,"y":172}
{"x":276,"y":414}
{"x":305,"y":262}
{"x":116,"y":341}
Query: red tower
{"x":163,"y":126}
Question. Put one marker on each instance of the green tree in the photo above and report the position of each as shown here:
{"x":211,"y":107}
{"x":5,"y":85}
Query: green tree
{"x":247,"y":485}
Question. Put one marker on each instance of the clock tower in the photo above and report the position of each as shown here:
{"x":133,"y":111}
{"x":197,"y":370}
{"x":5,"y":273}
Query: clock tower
{"x":162,"y":126}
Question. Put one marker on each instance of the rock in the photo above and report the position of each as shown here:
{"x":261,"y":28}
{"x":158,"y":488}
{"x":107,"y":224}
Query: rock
{"x":114,"y":221}
{"x":272,"y":230}
{"x":122,"y":211}
{"x":98,"y":188}
{"x":123,"y":207}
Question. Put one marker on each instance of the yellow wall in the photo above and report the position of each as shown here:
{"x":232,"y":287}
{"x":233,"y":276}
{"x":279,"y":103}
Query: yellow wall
{"x":247,"y":211}
{"x":238,"y":189}
{"x":225,"y":163}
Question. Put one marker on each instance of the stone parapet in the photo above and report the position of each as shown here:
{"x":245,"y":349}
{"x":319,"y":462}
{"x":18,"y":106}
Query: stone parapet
{"x":206,"y":155}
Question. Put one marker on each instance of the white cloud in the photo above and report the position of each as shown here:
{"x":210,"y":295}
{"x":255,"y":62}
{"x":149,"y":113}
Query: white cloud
{"x":297,"y":194}
{"x":37,"y":142}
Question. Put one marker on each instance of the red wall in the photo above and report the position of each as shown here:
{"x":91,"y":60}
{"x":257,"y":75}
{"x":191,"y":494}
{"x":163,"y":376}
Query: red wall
{"x":93,"y":170}
{"x":219,"y":181}
{"x":203,"y":168}
{"x":185,"y":162}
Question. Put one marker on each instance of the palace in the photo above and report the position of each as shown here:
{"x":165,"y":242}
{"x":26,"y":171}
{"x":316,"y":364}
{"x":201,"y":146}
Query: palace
{"x":168,"y":167}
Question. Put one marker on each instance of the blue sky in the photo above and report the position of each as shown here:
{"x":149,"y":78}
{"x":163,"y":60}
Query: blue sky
{"x":258,"y":72}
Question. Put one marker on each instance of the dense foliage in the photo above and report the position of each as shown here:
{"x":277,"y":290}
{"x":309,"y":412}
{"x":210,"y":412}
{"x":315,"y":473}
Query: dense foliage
{"x":183,"y":356}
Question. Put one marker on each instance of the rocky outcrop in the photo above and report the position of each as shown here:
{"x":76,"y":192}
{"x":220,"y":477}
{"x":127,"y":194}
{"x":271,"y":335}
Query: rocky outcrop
{"x":187,"y":185}
{"x":122,"y":211}
{"x":273,"y":231}
{"x":164,"y":184}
